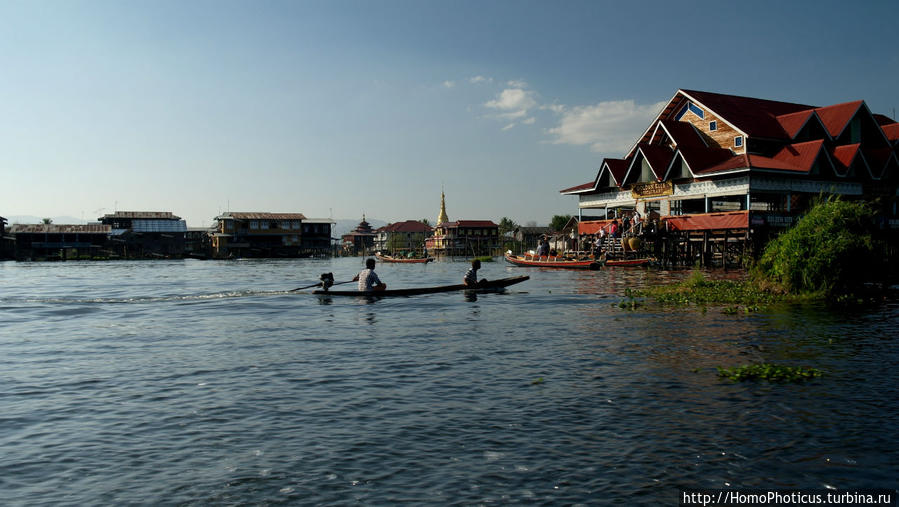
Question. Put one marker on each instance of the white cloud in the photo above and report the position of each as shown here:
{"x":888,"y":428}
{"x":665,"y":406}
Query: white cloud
{"x":480,"y":79}
{"x":507,"y":127}
{"x":512,"y":103}
{"x":517,"y":83}
{"x":529,"y":121}
{"x":608,"y":127}
{"x":449,"y":84}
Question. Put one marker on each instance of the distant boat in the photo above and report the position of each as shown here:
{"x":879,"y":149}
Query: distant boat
{"x":627,"y":262}
{"x":546,"y":261}
{"x":491,"y":285}
{"x":403,"y":260}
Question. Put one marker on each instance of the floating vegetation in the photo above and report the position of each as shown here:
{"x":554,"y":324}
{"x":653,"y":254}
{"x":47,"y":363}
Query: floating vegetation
{"x":770,"y":372}
{"x":631,"y":303}
{"x":740,"y":295}
{"x":485,"y":258}
{"x":537,"y":381}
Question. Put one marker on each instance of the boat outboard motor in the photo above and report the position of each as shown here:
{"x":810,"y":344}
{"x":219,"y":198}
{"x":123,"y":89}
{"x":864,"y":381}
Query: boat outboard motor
{"x":327,"y":280}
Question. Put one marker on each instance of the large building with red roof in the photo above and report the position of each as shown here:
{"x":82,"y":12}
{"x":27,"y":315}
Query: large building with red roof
{"x":745,"y":162}
{"x":402,"y":237}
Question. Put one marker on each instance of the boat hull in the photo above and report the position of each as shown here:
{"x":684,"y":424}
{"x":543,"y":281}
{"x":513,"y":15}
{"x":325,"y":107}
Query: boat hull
{"x":399,"y":260}
{"x":551,"y":262}
{"x":490,"y":285}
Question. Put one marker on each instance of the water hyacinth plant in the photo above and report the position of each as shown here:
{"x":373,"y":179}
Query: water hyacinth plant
{"x":770,"y":372}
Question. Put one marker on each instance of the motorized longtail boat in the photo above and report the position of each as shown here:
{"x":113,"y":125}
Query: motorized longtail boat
{"x":490,"y":285}
{"x":544,"y":261}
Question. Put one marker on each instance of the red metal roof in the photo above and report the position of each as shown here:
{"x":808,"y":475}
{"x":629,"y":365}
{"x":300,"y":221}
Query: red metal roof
{"x":407,"y":226}
{"x":591,"y":226}
{"x":792,"y":123}
{"x":579,"y":188}
{"x":798,"y":157}
{"x":471,"y":224}
{"x":755,"y":117}
{"x":891,"y":131}
{"x":836,"y":117}
{"x":708,"y":221}
{"x":844,"y":156}
{"x":735,"y":162}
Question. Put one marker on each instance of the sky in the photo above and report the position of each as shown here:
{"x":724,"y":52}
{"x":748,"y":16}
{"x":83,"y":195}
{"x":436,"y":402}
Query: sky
{"x":342,"y":108}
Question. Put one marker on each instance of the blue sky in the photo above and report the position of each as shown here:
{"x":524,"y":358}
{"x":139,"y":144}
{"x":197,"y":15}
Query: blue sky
{"x":335,"y":108}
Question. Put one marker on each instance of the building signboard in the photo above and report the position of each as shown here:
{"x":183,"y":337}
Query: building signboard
{"x":644,"y":190}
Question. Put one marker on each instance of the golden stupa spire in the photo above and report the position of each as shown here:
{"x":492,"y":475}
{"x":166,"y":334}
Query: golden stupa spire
{"x":442,"y":218}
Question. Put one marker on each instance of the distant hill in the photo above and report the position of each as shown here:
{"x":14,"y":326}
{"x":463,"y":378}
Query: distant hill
{"x":30,"y":219}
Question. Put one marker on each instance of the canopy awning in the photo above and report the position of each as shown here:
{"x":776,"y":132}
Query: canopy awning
{"x":709,"y":221}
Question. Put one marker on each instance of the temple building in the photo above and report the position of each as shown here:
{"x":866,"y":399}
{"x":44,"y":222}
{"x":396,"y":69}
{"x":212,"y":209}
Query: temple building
{"x":359,"y":241}
{"x":715,"y":162}
{"x":466,"y":238}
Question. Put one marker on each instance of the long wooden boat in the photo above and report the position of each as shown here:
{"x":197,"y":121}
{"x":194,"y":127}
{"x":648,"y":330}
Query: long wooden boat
{"x":544,"y":261}
{"x":488,"y":286}
{"x":387,"y":258}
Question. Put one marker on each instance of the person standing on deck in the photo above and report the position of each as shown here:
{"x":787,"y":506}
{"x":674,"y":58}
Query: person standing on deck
{"x":471,"y":276}
{"x":368,"y":280}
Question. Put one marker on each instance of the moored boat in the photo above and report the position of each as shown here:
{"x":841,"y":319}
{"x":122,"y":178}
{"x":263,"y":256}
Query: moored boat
{"x":490,"y":285}
{"x":545,"y":261}
{"x":402,"y":260}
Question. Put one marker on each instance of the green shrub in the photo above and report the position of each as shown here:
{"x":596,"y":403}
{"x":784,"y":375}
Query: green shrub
{"x":828,"y":252}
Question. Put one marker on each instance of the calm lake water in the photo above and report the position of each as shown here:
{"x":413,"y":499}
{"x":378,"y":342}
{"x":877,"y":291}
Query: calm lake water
{"x":194,"y":383}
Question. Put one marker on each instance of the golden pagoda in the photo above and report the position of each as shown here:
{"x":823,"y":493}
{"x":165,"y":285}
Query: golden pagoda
{"x":442,"y":218}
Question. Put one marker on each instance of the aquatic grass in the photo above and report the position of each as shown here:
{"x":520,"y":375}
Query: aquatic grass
{"x":741,"y":295}
{"x":769,"y":372}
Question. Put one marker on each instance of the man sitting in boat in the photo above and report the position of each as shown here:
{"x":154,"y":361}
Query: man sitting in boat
{"x":471,"y":276}
{"x":368,"y":280}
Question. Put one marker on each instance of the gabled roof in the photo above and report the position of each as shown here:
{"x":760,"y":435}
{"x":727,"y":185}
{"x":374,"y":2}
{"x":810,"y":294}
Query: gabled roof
{"x":407,"y":226}
{"x":798,"y":157}
{"x":617,"y":169}
{"x":754,"y":117}
{"x":658,"y":158}
{"x":836,"y":117}
{"x":891,"y":131}
{"x":683,"y":134}
{"x":701,"y":160}
{"x":792,"y":123}
{"x":844,"y":156}
{"x":877,"y":159}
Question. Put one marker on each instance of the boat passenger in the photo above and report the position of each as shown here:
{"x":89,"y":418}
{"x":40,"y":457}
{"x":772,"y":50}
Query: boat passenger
{"x":543,"y":247}
{"x":368,"y":280}
{"x":471,"y":276}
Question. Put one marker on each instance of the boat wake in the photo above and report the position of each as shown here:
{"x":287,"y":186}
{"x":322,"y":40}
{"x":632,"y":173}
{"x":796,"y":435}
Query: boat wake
{"x":145,"y":299}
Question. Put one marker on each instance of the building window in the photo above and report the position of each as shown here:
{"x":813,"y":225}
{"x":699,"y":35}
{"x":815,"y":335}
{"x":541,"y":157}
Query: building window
{"x":692,"y":108}
{"x":713,"y":126}
{"x":254,"y":224}
{"x":738,"y":141}
{"x":264,"y":225}
{"x":295,"y":224}
{"x":285,"y":225}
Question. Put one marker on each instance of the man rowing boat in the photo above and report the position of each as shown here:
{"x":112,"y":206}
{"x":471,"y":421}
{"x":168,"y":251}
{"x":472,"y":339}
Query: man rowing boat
{"x":471,"y":276}
{"x":368,"y":280}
